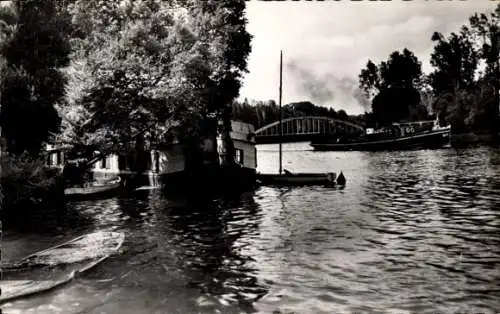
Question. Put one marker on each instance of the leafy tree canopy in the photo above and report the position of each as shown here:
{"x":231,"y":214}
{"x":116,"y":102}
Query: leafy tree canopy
{"x":31,"y":84}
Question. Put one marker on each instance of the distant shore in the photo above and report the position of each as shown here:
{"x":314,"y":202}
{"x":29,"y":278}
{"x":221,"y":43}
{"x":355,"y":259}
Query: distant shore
{"x":474,"y":138}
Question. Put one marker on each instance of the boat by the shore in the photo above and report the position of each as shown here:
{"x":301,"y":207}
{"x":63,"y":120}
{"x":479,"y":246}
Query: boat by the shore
{"x":301,"y":179}
{"x":95,"y":190}
{"x":285,"y":177}
{"x":400,"y":136}
{"x":58,"y":265}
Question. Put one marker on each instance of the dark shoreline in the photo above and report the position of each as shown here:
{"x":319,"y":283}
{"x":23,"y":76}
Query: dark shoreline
{"x":474,"y":138}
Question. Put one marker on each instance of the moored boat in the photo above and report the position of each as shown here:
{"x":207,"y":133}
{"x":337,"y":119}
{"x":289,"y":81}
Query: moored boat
{"x":95,"y":190}
{"x":285,"y":177}
{"x":301,"y":179}
{"x":56,"y":266}
{"x":424,"y":134}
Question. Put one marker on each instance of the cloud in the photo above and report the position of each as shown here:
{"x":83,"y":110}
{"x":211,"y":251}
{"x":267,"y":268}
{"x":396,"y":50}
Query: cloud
{"x":333,"y":40}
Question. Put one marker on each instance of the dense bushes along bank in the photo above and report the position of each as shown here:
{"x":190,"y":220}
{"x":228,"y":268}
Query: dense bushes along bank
{"x":30,"y":189}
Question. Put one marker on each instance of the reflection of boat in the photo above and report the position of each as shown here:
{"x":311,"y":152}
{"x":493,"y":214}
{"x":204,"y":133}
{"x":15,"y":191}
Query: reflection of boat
{"x":288,"y":178}
{"x":56,"y":266}
{"x":298,"y":179}
{"x":424,"y":134}
{"x":96,"y":190}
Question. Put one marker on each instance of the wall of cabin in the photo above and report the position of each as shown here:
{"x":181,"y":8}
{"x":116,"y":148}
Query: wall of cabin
{"x":246,"y":154}
{"x":55,"y":159}
{"x":106,"y":167}
{"x":167,"y":161}
{"x":244,"y":143}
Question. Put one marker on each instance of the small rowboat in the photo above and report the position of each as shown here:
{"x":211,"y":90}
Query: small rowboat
{"x":301,"y":179}
{"x":56,"y":266}
{"x":96,"y":190}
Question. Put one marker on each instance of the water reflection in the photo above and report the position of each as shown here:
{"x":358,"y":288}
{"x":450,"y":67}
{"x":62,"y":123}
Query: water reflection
{"x":206,"y":240}
{"x":412,"y":232}
{"x":437,"y":218}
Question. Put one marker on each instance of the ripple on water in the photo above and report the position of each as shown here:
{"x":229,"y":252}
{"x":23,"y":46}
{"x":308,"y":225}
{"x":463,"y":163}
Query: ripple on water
{"x":412,"y":232}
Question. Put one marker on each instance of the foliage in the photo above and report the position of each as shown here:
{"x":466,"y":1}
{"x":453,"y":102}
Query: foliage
{"x":486,"y":29}
{"x":455,"y":60}
{"x":221,"y":26}
{"x":394,"y":87}
{"x":465,"y":97}
{"x":31,"y":82}
{"x":369,"y":79}
{"x":118,"y":84}
{"x":28,"y":184}
{"x":155,"y":69}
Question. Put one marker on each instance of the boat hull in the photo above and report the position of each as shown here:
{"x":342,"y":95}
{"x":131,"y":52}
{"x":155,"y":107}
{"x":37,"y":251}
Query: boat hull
{"x":434,"y":139}
{"x":59,"y":265}
{"x":93,"y":192}
{"x":301,"y":179}
{"x":209,"y":181}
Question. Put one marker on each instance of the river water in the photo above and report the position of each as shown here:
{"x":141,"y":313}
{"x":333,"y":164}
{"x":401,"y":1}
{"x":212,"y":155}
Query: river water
{"x":412,"y":232}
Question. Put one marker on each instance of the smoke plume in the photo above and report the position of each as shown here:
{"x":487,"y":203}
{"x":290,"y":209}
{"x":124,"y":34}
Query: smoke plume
{"x":327,"y":90}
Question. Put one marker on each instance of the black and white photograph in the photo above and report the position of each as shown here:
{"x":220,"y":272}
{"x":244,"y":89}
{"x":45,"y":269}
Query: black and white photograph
{"x":250,"y":156}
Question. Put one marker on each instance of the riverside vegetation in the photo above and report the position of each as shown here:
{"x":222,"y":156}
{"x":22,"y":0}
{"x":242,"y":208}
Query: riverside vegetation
{"x":116,"y":76}
{"x":111,"y":76}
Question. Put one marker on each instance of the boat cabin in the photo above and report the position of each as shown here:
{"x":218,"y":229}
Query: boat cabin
{"x":243,"y":136}
{"x":169,"y":159}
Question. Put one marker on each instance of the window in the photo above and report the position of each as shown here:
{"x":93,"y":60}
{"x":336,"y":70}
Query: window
{"x":156,"y":162}
{"x":239,"y":156}
{"x":59,"y":158}
{"x":105,"y":164}
{"x":122,"y":162}
{"x":255,"y":156}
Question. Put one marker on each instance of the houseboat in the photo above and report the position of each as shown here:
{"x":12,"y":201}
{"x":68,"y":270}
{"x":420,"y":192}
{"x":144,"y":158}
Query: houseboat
{"x":174,"y":177}
{"x":398,"y":136}
{"x":165,"y":164}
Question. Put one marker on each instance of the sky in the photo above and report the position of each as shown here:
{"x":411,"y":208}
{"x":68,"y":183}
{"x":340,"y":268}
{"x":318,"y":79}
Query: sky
{"x":326,"y":44}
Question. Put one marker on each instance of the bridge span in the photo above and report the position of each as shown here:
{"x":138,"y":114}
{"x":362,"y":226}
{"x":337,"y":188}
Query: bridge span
{"x":308,"y":128}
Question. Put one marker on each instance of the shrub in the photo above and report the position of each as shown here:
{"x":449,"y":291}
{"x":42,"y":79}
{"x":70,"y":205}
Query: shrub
{"x":29,"y":186}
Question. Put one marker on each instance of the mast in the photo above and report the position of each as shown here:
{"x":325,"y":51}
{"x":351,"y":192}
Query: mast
{"x":280,"y":113}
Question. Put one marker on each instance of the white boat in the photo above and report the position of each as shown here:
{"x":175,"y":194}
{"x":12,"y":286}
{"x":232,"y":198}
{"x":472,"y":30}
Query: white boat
{"x":96,"y":190}
{"x":58,"y":265}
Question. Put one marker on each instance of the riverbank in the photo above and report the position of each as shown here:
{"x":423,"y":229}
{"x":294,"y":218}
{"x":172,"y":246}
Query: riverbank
{"x":474,"y":138}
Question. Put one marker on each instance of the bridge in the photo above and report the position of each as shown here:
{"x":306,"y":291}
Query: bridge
{"x":305,"y":129}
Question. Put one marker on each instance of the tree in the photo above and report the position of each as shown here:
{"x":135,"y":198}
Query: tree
{"x":455,"y":60}
{"x":221,"y":25}
{"x":401,"y":70}
{"x":486,"y":29}
{"x":31,"y":80}
{"x":394,"y":86}
{"x":148,"y":70}
{"x":369,"y":80}
{"x":125,"y":82}
{"x":342,"y":115}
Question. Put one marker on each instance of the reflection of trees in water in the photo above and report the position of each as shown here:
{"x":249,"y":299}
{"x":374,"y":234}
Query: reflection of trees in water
{"x":204,"y":234}
{"x":134,"y":206}
{"x":444,"y":186}
{"x":49,"y":219}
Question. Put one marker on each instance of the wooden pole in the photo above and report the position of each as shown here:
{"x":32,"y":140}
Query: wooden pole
{"x":280,"y":114}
